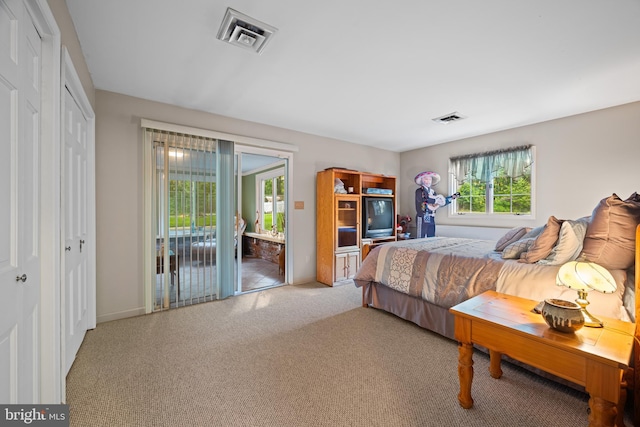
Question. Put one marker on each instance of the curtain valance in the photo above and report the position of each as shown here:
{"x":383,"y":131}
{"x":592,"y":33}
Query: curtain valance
{"x":512,"y":162}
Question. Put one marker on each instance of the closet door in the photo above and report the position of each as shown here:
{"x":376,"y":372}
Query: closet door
{"x":20,"y":64}
{"x":76,"y":258}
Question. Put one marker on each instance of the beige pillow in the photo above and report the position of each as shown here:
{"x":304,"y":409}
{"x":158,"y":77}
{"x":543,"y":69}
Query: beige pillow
{"x":569,"y":243}
{"x":544,"y":243}
{"x":512,"y":235}
{"x":610,"y":239}
{"x":515,"y":249}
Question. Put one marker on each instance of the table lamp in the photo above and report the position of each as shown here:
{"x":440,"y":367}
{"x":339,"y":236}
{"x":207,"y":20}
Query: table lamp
{"x":584,"y":276}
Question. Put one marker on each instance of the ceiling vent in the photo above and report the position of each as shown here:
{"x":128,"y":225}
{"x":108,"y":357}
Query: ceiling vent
{"x":451,"y":117}
{"x":244,"y":31}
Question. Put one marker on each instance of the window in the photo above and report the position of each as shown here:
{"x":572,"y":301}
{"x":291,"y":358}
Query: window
{"x":494,"y":183}
{"x":271,"y":203}
{"x":191,"y":205}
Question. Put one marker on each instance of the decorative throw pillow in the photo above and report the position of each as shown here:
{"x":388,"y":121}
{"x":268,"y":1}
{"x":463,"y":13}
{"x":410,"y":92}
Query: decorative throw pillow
{"x":534,"y":232}
{"x":610,"y":238}
{"x":515,"y":249}
{"x":569,"y":243}
{"x":544,"y":243}
{"x":512,"y":235}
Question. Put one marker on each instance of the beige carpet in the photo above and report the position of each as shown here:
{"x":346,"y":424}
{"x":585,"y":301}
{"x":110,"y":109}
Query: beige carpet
{"x":305,"y":355}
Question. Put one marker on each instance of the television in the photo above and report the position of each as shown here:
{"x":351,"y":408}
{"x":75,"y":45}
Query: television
{"x":378,"y":217}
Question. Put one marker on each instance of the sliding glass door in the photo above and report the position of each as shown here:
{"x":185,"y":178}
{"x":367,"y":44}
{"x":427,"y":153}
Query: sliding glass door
{"x":215,"y":219}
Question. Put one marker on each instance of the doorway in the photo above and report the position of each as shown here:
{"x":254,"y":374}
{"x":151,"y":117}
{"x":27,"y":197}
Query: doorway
{"x":262,"y":199}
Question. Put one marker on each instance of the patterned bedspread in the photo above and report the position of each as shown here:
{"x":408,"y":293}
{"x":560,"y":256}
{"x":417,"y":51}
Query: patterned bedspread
{"x":446,"y":271}
{"x":443,"y":271}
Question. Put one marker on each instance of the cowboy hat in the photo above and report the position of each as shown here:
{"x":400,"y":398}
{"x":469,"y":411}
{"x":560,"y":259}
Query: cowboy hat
{"x":435,"y":178}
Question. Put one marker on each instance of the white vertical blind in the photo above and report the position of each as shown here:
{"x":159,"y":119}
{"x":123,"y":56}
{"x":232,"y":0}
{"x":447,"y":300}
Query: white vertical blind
{"x":226,"y":208}
{"x":184,"y":220}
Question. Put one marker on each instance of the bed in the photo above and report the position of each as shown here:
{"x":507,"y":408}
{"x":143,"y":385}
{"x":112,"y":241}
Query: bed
{"x":420,"y":279}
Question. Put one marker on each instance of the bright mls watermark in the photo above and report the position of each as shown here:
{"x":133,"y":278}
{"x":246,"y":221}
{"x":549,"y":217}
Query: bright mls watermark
{"x":34,"y":415}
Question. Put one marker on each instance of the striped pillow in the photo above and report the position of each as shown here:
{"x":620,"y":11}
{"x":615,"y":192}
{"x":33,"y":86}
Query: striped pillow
{"x":515,"y":249}
{"x":512,"y":236}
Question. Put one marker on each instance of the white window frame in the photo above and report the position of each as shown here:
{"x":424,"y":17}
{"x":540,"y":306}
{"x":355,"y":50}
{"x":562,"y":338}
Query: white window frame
{"x":272,"y":174}
{"x":453,"y":214}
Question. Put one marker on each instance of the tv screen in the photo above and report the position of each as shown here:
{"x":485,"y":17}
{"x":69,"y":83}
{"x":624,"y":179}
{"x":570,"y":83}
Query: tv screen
{"x":377,"y":217}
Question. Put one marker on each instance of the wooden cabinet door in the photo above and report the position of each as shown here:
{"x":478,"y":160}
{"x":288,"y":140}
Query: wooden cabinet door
{"x":347,"y":223}
{"x":346,"y":265}
{"x":354,"y":263}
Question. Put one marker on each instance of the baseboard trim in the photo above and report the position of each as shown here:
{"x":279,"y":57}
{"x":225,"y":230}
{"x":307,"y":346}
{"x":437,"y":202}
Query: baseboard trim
{"x":303,"y":281}
{"x":120,"y":315}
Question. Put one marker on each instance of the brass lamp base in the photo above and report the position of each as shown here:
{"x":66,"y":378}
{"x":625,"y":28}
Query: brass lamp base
{"x":589,"y":320}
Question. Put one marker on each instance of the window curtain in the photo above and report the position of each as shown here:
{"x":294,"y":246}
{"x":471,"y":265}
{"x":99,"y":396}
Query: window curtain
{"x":512,"y":162}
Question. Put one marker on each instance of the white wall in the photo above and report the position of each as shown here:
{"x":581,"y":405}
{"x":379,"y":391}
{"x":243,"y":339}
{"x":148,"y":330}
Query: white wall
{"x":119,"y":180}
{"x":580,"y":160}
{"x":69,"y":39}
{"x":470,"y":232}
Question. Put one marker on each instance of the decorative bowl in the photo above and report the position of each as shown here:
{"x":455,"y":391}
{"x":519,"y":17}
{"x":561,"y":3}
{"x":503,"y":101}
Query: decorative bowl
{"x":564,"y":316}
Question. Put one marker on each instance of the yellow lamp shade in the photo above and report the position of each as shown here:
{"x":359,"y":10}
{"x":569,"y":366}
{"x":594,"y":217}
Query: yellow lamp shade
{"x":584,"y":276}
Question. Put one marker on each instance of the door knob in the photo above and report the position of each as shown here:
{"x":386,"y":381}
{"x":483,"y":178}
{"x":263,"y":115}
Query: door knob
{"x":22,"y":278}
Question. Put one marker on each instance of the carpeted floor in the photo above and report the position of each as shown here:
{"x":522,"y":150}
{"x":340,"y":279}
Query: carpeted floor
{"x":197,"y":281}
{"x":306,"y":355}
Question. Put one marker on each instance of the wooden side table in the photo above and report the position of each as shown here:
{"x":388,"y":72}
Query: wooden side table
{"x":595,"y":358}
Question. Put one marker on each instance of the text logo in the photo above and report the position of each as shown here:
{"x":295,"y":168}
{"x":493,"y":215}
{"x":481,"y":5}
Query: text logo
{"x":34,"y":415}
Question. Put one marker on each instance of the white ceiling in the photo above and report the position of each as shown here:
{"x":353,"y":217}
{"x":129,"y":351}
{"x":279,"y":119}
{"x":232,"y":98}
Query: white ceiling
{"x":372,"y":72}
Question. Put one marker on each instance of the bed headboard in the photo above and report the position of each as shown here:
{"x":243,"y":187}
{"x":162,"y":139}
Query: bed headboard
{"x":637,"y":278}
{"x":636,"y":345}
